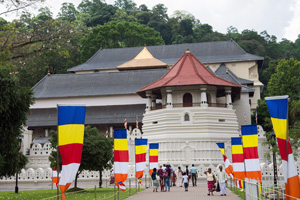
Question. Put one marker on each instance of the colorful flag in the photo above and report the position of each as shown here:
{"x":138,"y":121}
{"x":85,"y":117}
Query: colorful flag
{"x":70,"y":140}
{"x":228,"y":166}
{"x":54,"y":177}
{"x":278,"y":109}
{"x":106,"y":134}
{"x":137,"y":124}
{"x":153,"y":157}
{"x":238,"y":161}
{"x":140,"y":157}
{"x":250,"y":143}
{"x":121,"y":157}
{"x":125,"y":123}
{"x":245,"y":118}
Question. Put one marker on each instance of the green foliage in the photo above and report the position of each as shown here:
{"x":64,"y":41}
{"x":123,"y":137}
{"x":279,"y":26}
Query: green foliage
{"x":118,"y":34}
{"x":14,"y":106}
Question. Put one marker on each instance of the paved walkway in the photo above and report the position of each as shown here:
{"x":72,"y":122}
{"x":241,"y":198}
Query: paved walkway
{"x":178,"y":193}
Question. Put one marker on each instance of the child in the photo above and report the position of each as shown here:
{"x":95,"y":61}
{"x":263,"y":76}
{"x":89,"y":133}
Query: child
{"x":174,"y":178}
{"x":185,"y":180}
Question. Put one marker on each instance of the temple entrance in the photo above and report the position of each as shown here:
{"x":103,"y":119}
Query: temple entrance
{"x":187,"y":100}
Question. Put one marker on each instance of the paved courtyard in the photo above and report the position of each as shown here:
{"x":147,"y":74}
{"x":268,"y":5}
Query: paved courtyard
{"x":178,"y":193}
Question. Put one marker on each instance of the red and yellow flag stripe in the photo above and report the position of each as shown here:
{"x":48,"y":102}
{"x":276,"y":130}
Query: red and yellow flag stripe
{"x":228,"y":166}
{"x":70,"y":140}
{"x":278,"y":109}
{"x":238,"y":161}
{"x":250,"y":143}
{"x":153,"y":157}
{"x":121,"y":157}
{"x":140,"y":156}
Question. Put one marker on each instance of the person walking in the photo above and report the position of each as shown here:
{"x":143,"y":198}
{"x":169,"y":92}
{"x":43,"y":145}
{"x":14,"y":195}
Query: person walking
{"x":160,"y":173}
{"x":222,"y":180}
{"x":155,"y":180}
{"x":187,"y":171}
{"x":185,"y":180}
{"x":194,"y":175}
{"x":179,"y":177}
{"x":167,"y":176}
{"x":211,"y":180}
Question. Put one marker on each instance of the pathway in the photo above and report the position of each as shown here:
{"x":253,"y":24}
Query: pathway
{"x":178,"y":193}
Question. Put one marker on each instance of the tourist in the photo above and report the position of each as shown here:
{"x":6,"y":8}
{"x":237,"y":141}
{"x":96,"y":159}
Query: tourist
{"x":179,"y":176}
{"x":222,"y":180}
{"x":211,"y":180}
{"x":164,"y":167}
{"x":185,"y":180}
{"x":155,"y":180}
{"x":160,"y":173}
{"x":166,"y":176}
{"x":112,"y":177}
{"x":174,"y":178}
{"x":171,"y":177}
{"x":188,"y":173}
{"x":194,"y":175}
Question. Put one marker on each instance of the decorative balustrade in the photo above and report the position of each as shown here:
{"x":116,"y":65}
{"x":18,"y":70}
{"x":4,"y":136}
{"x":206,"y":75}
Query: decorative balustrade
{"x":196,"y":104}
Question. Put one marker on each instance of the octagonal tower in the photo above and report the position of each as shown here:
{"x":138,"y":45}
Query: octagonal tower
{"x":188,"y":110}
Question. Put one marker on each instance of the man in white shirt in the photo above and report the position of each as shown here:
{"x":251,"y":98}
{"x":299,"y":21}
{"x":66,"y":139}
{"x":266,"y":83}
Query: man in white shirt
{"x":222,"y":180}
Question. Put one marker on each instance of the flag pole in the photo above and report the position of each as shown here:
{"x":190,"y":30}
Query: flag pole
{"x":57,"y":162}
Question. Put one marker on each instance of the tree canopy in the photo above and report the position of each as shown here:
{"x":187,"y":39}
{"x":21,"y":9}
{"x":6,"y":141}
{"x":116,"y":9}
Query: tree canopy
{"x":15,"y":100}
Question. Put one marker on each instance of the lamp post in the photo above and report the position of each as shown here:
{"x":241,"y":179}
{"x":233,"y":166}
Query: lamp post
{"x":273,"y":138}
{"x":17,"y":188}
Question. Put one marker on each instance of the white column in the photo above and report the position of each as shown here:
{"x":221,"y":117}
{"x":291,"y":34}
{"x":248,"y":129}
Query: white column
{"x":148,"y":105}
{"x":203,"y":97}
{"x":27,"y":134}
{"x":111,"y":131}
{"x":228,"y":97}
{"x":46,"y":132}
{"x":169,"y":99}
{"x":153,"y":100}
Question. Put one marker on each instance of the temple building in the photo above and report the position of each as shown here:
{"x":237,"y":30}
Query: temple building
{"x":184,"y":99}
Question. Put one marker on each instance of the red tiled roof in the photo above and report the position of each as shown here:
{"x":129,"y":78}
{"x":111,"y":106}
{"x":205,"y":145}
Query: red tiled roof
{"x":188,"y":71}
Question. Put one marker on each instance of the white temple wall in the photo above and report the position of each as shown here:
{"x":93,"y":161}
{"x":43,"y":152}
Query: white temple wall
{"x":111,"y":100}
{"x":242,"y":106}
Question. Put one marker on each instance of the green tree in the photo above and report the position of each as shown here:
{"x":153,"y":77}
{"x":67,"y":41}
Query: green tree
{"x":68,"y":12}
{"x":95,"y":12}
{"x":285,"y":81}
{"x":117,"y":35}
{"x":14,"y":106}
{"x":97,"y":152}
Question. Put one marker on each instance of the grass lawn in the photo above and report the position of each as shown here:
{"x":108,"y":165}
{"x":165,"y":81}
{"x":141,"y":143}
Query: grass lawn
{"x":101,"y":193}
{"x":237,"y":191}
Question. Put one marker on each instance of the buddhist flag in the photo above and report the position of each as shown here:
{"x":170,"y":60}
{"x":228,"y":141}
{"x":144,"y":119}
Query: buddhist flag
{"x":137,"y":124}
{"x":54,"y":177}
{"x":121,"y":157}
{"x":70,"y":140}
{"x":125,"y":123}
{"x":153,"y":157}
{"x":106,"y":134}
{"x":278,"y":108}
{"x":238,"y":161}
{"x":140,"y":157}
{"x":228,"y":166}
{"x":250,"y":143}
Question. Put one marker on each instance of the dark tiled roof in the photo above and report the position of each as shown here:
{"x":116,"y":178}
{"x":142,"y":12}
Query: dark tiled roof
{"x":230,"y":76}
{"x":94,"y":84}
{"x":98,"y":115}
{"x":206,"y":52}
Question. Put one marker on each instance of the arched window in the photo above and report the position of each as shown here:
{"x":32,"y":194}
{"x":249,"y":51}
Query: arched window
{"x":186,"y":117}
{"x":187,"y":100}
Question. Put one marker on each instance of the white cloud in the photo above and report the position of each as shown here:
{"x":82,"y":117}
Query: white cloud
{"x":293,"y":30}
{"x":280,"y":18}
